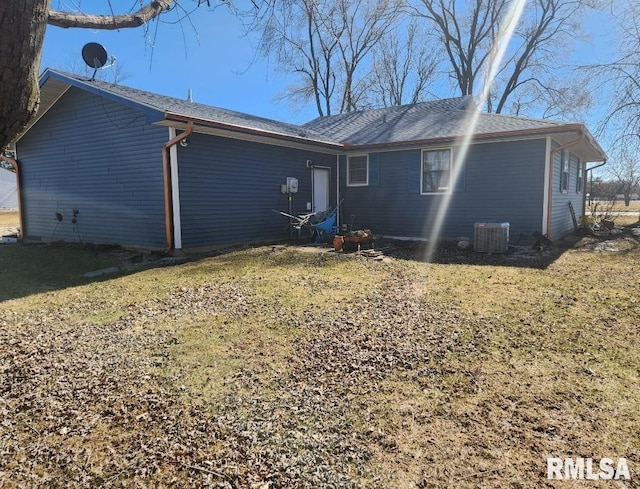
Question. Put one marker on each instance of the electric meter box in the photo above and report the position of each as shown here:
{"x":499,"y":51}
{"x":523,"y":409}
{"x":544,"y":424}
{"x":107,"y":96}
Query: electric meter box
{"x":292,"y":185}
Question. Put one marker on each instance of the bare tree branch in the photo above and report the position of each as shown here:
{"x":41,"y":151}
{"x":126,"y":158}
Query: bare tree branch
{"x":621,"y":79}
{"x":327,"y":43}
{"x":110,"y":22}
{"x":468,"y":34}
{"x":626,"y":172}
{"x":402,"y":68}
{"x":22,"y":28}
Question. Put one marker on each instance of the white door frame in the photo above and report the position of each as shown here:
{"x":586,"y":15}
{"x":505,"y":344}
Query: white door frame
{"x":315,"y":182}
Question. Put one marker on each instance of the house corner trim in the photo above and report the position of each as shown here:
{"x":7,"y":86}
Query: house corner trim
{"x":171,"y":198}
{"x":175,"y":192}
{"x":548,"y":162}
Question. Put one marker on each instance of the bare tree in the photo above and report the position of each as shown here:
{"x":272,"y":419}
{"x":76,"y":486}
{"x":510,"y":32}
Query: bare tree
{"x":544,"y":30}
{"x":402,"y":68}
{"x":565,"y":97}
{"x":466,"y":30}
{"x":22,"y":28}
{"x":621,"y":79}
{"x":626,"y":174}
{"x":600,"y":189}
{"x":326,"y":43}
{"x":469,"y":28}
{"x":112,"y":72}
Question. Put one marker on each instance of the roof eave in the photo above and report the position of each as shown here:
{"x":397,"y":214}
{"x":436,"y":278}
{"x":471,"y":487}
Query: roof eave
{"x":598,"y":152}
{"x":152,"y":114}
{"x":169,"y":116}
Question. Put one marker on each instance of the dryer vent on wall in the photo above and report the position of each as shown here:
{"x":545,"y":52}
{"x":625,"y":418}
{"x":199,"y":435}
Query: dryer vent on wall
{"x":491,"y":237}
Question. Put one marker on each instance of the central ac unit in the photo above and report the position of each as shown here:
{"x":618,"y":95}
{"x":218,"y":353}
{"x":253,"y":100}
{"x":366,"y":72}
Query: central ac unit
{"x":491,"y":237}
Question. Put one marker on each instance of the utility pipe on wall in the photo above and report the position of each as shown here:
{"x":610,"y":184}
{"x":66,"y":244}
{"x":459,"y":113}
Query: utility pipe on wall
{"x":338,"y":192}
{"x":166,"y":171}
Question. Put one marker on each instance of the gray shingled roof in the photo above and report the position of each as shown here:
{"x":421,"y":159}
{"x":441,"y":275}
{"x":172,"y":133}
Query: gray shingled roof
{"x":446,"y":119}
{"x":439,"y":119}
{"x":165,"y":104}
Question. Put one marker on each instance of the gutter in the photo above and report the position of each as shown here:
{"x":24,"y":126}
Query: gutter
{"x":597,"y":166}
{"x":166,"y":172}
{"x":302,"y":138}
{"x":584,"y":203}
{"x":552,"y":153}
{"x":488,"y":137}
{"x":16,"y":167}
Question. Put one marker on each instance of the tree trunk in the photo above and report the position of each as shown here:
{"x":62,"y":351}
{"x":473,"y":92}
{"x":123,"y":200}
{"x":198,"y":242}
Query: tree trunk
{"x":22,"y":27}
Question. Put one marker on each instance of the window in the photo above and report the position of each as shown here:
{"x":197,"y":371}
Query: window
{"x":564,"y":172}
{"x":436,"y":171}
{"x":358,"y":170}
{"x":580,"y":181}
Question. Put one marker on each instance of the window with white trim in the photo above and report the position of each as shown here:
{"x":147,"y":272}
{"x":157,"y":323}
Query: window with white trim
{"x":564,"y":172}
{"x":436,"y":171}
{"x":358,"y":170}
{"x":580,"y":177}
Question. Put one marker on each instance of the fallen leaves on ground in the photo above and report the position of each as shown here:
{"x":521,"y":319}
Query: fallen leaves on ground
{"x":87,"y":402}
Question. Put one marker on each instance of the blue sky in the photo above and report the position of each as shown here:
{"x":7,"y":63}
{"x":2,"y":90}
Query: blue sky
{"x":216,"y":60}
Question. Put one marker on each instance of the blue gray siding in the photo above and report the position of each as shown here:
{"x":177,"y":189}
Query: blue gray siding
{"x":499,"y":182}
{"x":562,"y":223}
{"x":102,"y":159}
{"x":229,"y":189}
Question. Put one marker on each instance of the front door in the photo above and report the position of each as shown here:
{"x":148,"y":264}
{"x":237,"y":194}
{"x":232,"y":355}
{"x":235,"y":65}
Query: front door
{"x":320,"y":181}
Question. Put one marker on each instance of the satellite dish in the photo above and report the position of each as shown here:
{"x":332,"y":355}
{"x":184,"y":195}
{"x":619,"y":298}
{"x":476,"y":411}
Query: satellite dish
{"x":94,"y":55}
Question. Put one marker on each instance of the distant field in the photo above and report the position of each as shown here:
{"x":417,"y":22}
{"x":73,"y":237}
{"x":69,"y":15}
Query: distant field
{"x":8,"y":218}
{"x":9,"y":222}
{"x":634,"y":206}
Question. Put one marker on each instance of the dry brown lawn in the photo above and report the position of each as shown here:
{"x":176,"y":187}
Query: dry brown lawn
{"x":9,"y":218}
{"x":272,"y":367}
{"x":618,"y":206}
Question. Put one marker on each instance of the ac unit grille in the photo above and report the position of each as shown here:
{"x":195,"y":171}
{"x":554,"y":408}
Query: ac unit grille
{"x":491,"y":237}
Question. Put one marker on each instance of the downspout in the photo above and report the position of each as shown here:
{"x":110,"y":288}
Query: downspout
{"x":166,"y":171}
{"x":586,"y":179}
{"x":16,"y":167}
{"x":550,"y":181}
{"x":338,"y":192}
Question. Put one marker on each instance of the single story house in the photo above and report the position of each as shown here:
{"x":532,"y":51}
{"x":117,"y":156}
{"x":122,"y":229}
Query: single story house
{"x":106,"y":163}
